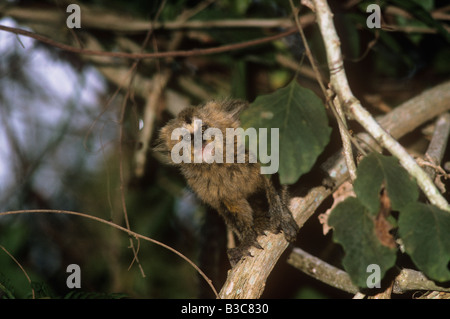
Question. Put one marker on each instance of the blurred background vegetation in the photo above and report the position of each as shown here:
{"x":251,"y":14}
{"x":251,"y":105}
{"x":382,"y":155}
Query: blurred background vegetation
{"x":70,"y":127}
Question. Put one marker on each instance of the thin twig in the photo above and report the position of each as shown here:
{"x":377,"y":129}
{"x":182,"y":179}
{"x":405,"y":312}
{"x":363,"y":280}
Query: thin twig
{"x":171,"y":54}
{"x":133,"y":71}
{"x":288,"y":62}
{"x":307,"y":49}
{"x":121,"y":23}
{"x":123,"y":183}
{"x":129,"y":232}
{"x":338,"y":113}
{"x":346,"y":142}
{"x":438,"y":143}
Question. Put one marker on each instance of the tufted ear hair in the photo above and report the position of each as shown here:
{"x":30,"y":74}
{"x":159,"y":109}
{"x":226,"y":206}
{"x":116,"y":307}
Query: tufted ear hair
{"x":234,"y":107}
{"x":186,"y":114}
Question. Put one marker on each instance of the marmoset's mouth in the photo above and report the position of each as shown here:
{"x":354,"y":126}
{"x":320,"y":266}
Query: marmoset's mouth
{"x":202,"y":150}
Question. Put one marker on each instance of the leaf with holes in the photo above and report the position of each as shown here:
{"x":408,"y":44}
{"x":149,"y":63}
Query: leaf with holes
{"x":375,"y":171}
{"x":354,"y":229}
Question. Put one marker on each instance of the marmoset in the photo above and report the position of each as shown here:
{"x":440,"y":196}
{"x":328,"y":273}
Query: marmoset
{"x":249,"y":202}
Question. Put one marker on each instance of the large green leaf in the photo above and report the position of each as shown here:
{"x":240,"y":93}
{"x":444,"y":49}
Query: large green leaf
{"x":303,"y":127}
{"x":354,"y":229}
{"x":425,"y":232}
{"x":374,"y":171}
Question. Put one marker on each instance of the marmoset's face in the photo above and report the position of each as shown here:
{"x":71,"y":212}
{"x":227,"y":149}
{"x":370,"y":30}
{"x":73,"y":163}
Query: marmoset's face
{"x":204,"y":128}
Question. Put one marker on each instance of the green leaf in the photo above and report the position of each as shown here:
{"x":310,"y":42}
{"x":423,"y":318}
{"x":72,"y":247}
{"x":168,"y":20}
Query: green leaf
{"x":6,"y":288}
{"x":425,"y":232}
{"x":376,"y":169}
{"x":303,"y":127}
{"x":354,"y":229}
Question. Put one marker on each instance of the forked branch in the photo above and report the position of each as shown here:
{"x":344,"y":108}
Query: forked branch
{"x":354,"y":108}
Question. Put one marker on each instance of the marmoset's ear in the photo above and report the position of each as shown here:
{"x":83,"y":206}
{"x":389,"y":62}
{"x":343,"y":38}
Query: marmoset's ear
{"x":234,"y":107}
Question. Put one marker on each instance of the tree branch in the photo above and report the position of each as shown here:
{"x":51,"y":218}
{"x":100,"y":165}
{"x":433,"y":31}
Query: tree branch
{"x":121,"y":23}
{"x":410,"y":279}
{"x":170,"y":54}
{"x":321,"y":270}
{"x":340,"y":85}
{"x":438,"y":144}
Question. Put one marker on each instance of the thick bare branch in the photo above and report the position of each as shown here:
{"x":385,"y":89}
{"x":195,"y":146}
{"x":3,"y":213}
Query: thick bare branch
{"x":321,"y":270}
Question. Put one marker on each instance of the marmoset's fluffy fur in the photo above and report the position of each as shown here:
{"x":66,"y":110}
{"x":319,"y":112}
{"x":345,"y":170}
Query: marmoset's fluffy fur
{"x":248,"y":201}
